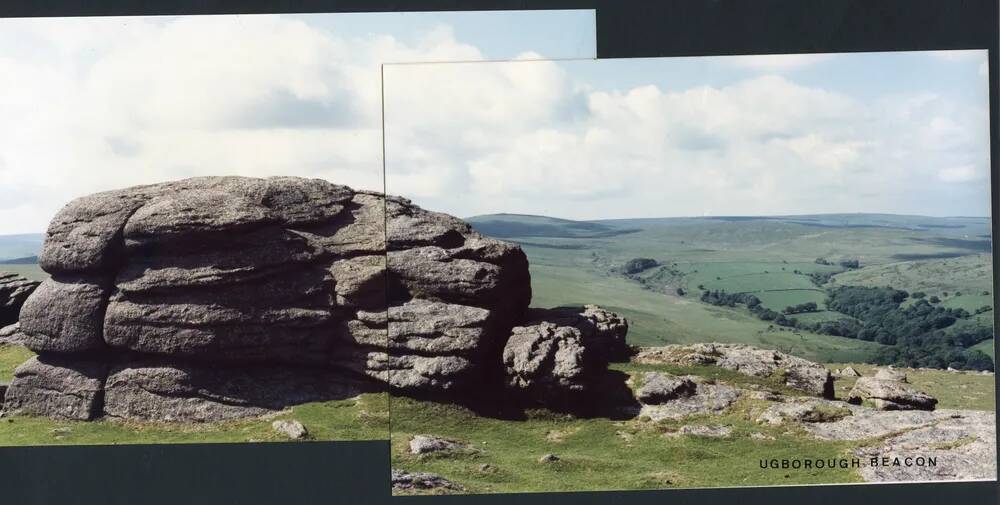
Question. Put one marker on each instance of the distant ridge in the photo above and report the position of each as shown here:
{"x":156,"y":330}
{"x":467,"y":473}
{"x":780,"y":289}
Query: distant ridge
{"x":28,"y":260}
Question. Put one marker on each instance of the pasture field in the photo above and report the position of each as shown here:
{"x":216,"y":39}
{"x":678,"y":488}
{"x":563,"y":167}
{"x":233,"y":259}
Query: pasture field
{"x":769,"y":257}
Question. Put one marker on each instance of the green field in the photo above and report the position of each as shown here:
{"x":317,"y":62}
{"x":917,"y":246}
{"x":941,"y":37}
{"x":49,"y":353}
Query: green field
{"x":770,"y":258}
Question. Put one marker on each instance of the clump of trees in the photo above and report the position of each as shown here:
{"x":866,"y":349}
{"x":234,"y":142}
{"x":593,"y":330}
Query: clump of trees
{"x":636,"y":265}
{"x":751,"y":302}
{"x":801,"y":308}
{"x":919,"y":335}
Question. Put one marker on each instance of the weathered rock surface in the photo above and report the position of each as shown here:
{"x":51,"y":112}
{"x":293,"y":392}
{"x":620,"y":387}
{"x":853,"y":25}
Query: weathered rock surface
{"x":291,"y":429}
{"x":712,"y":431}
{"x":57,"y":387}
{"x":708,"y":398}
{"x":658,"y":388}
{"x":848,"y":371}
{"x":14,"y":290}
{"x":890,"y":395}
{"x":804,"y":410}
{"x":407,"y":481}
{"x":217,"y":298}
{"x":963,"y":442}
{"x":793,"y":371}
{"x":424,"y":444}
{"x":559,"y":354}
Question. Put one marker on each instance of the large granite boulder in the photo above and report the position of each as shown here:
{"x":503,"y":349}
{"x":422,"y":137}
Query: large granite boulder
{"x":886,"y":394}
{"x":559,"y":354}
{"x":217,"y":298}
{"x":14,"y":290}
{"x":792,"y":371}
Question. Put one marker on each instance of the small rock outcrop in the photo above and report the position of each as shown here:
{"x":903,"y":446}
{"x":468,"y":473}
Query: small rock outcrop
{"x":14,"y":290}
{"x":848,"y":371}
{"x":890,"y":395}
{"x":559,"y":354}
{"x":804,"y":410}
{"x":793,"y":371}
{"x":424,"y":444}
{"x":421,"y":481}
{"x":658,"y":388}
{"x":291,"y":429}
{"x":706,"y":398}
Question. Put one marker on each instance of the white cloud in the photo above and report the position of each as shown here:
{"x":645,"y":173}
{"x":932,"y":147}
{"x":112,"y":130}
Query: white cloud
{"x":776,"y":62}
{"x":547,"y":143}
{"x":964,"y":173}
{"x":89,"y":104}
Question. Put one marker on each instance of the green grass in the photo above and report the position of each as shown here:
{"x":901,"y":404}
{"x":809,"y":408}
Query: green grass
{"x":30,"y":271}
{"x":970,"y":275}
{"x":11,"y":356}
{"x":985,"y":346}
{"x":363,"y":418}
{"x":605,"y":454}
{"x":967,"y":391}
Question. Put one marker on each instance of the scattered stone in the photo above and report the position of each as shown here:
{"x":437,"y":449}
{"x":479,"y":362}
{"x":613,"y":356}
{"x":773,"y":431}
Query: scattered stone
{"x":890,"y":395}
{"x":760,"y":436}
{"x":890,"y":374}
{"x":423,"y":444}
{"x":406,"y":481}
{"x":714,"y":431}
{"x":807,"y":410}
{"x":548,"y":458}
{"x":486,"y":468}
{"x":659,"y":388}
{"x":11,"y":335}
{"x":290,"y":428}
{"x":793,"y":371}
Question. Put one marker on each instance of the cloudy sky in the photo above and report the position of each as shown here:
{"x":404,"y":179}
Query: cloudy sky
{"x":904,"y":133}
{"x":89,"y":104}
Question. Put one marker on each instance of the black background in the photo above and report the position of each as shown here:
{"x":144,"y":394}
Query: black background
{"x":358,"y":472}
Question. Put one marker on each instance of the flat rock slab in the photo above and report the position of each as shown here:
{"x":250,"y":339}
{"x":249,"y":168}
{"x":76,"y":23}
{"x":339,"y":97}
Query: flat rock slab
{"x":707,"y":399}
{"x":962,"y":444}
{"x":805,"y":410}
{"x":890,"y":394}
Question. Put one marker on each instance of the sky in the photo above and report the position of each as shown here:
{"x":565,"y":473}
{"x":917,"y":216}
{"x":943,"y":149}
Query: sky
{"x":91,"y":104}
{"x":898,"y":132}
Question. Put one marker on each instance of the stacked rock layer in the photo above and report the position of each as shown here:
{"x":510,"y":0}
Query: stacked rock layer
{"x":225,"y":297}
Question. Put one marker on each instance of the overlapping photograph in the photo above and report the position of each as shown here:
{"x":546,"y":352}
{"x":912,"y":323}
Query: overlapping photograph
{"x":690,"y":272}
{"x":192,"y":241}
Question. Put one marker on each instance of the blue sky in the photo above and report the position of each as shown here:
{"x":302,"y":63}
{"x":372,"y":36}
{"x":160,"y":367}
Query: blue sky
{"x":893,"y":132}
{"x":90,"y":104}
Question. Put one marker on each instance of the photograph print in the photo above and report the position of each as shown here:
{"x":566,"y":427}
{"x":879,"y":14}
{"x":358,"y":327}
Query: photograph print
{"x":689,"y":272}
{"x":192,"y":235}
